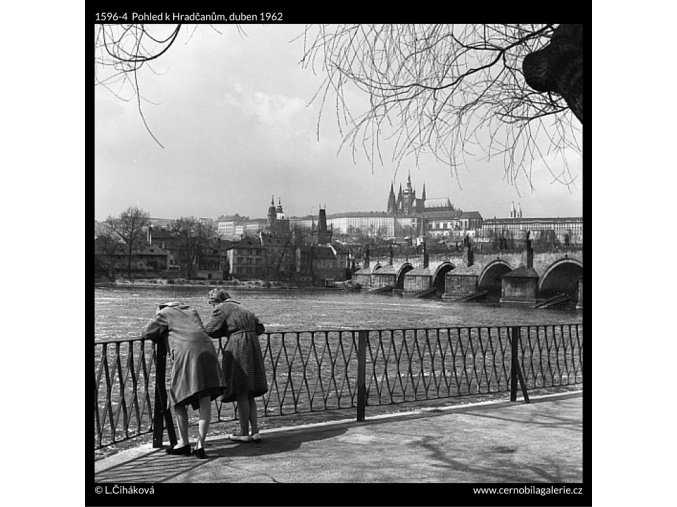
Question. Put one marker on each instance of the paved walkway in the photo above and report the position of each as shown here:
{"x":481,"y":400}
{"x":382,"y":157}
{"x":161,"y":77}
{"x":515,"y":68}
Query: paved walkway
{"x":493,"y":442}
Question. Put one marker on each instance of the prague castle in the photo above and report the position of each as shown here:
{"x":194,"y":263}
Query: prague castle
{"x":407,"y":203}
{"x":405,"y":215}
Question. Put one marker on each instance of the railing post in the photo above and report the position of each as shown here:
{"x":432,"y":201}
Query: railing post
{"x":162,"y":415}
{"x":361,"y":374}
{"x":514,"y":338}
{"x":515,"y":369}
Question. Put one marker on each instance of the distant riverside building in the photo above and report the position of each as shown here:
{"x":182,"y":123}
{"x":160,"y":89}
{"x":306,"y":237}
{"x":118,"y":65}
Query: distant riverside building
{"x":567,"y":229}
{"x":452,"y":224}
{"x":164,"y":223}
{"x":246,"y":259}
{"x":113,"y":256}
{"x":371,"y":223}
{"x":307,"y":222}
{"x":160,"y":223}
{"x":573,"y":224}
{"x":236,"y":226}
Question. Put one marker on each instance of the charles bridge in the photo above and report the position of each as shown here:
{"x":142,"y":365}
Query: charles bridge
{"x":522,"y":276}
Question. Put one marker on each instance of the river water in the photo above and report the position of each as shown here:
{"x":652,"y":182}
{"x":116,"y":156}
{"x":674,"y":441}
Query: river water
{"x":122,"y":311}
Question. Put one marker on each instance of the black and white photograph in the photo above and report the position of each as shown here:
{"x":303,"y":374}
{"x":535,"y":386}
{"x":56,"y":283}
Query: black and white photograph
{"x":343,"y":262}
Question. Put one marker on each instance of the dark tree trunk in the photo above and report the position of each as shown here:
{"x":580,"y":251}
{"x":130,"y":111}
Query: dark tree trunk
{"x":558,"y":67}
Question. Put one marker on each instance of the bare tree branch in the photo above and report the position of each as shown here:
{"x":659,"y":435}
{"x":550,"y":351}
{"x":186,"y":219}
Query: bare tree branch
{"x":442,"y":89}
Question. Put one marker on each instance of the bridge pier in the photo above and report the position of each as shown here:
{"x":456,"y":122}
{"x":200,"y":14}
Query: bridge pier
{"x":579,"y":302}
{"x":384,"y":277}
{"x":459,"y":285}
{"x":519,"y":286}
{"x":363,"y":277}
{"x":417,"y":280}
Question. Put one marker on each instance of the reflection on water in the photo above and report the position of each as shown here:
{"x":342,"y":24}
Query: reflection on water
{"x":121,"y":312}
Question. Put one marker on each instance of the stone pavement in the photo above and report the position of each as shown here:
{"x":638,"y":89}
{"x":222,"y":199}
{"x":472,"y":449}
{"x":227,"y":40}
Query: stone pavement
{"x":495,"y":442}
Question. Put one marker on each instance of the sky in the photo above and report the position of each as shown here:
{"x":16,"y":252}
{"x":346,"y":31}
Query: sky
{"x":235,"y":117}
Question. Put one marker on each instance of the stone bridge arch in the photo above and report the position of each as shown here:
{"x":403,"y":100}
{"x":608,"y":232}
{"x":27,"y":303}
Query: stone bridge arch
{"x":561,"y":277}
{"x":440,"y":274}
{"x":399,"y":279}
{"x":490,"y":278}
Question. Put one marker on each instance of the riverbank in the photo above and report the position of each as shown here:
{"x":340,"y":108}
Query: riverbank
{"x":234,"y":284}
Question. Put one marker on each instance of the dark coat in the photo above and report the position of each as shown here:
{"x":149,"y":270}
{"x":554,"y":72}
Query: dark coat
{"x":242,"y":363}
{"x":195,"y":366}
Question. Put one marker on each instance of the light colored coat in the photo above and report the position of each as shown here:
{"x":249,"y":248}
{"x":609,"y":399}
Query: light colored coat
{"x":195,"y":366}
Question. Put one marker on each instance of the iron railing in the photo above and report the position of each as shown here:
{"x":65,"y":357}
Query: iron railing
{"x":314,"y":371}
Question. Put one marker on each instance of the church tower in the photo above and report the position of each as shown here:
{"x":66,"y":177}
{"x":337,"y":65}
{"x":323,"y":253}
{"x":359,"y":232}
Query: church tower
{"x":272,"y":213}
{"x":392,"y":204}
{"x":419,"y":204}
{"x":323,"y":234}
{"x":278,"y":222}
{"x":409,"y":197}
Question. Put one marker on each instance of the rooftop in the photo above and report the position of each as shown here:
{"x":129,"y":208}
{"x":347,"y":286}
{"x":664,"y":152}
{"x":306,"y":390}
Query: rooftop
{"x":489,"y":221}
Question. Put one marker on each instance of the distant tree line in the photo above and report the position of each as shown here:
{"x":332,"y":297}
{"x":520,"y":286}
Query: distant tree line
{"x":190,"y":238}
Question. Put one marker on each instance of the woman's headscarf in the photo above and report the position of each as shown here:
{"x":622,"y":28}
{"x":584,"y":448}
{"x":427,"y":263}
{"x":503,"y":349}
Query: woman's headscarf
{"x":217,"y":296}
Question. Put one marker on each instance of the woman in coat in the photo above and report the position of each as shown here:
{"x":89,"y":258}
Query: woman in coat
{"x":242,"y":361}
{"x":196,"y":377}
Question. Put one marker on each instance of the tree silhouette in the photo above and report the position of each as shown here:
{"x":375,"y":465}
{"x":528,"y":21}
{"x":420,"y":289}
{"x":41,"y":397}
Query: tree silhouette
{"x":453,"y":90}
{"x":191,"y":239}
{"x":505,"y":90}
{"x":130,"y":226}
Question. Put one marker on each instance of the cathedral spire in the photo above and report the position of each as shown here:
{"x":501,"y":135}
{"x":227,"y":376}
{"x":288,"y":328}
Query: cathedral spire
{"x":391,"y":200}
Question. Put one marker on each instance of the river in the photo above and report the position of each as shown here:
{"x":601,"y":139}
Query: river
{"x":122,"y":311}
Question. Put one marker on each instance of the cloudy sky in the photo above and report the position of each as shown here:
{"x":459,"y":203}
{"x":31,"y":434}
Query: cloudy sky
{"x":235,"y":117}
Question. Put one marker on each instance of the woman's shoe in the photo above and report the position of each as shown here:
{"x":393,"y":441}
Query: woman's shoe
{"x":179,"y":451}
{"x":256,"y":438}
{"x":200,"y":453}
{"x":239,"y":438}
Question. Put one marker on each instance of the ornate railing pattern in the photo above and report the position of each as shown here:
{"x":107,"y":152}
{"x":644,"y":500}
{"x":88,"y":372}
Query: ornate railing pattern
{"x":313,"y":371}
{"x":125,"y":387}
